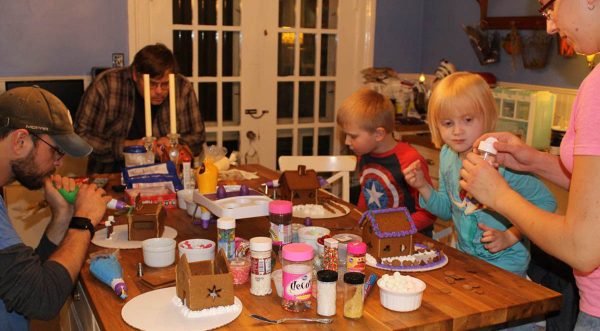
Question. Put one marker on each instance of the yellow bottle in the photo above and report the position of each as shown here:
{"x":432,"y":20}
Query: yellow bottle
{"x":206,"y":178}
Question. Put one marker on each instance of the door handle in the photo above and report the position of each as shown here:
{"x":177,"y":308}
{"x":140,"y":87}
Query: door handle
{"x":254,"y":113}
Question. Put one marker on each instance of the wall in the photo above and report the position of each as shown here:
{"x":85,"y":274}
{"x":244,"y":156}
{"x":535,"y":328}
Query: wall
{"x":442,"y":37}
{"x":60,"y":37}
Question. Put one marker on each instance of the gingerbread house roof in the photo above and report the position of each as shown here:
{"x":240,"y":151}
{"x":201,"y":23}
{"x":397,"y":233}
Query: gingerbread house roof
{"x":389,"y":223}
{"x":300,"y":179}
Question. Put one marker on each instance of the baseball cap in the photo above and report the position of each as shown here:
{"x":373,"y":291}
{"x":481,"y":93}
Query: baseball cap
{"x":39,"y":111}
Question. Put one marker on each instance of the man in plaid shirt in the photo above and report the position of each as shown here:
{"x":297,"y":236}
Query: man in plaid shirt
{"x":111,"y":112}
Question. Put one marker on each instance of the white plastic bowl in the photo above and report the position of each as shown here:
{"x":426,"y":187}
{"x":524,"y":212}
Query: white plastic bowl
{"x":158,"y":252}
{"x":197,"y":253}
{"x":400,"y":300}
{"x":183,"y":196}
{"x":310,"y":234}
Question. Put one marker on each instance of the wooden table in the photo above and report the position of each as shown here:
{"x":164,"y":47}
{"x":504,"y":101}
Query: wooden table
{"x":501,"y":296}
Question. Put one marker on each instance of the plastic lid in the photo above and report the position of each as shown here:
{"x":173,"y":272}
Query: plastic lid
{"x":357,"y":247}
{"x":297,"y":252}
{"x":261,"y":244}
{"x":327,"y":276}
{"x":354,"y":278}
{"x":280,"y":207}
{"x":488,"y":145}
{"x":134,"y":149}
{"x":226,"y":223}
{"x":331,"y":242}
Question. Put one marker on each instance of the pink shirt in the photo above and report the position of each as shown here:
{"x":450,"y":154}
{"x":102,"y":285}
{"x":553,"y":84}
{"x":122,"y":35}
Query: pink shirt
{"x":583,"y":138}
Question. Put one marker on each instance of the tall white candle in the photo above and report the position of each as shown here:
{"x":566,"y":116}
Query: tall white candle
{"x":147,"y":112}
{"x":172,"y":107}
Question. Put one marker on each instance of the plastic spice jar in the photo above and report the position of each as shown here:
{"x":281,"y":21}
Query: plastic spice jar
{"x":260,"y":270}
{"x":326,"y":293}
{"x":240,"y":269}
{"x":137,"y":155}
{"x":355,"y":258}
{"x":280,"y":216}
{"x":297,"y":277}
{"x":330,"y":254}
{"x":226,"y":236}
{"x":353,"y":294}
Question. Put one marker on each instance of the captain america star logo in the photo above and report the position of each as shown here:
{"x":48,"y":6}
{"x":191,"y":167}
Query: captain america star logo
{"x":378,"y":190}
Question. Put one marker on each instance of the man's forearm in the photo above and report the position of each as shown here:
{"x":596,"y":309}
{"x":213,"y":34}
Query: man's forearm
{"x":72,"y":252}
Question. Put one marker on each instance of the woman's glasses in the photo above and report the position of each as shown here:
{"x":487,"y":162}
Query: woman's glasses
{"x":546,"y":10}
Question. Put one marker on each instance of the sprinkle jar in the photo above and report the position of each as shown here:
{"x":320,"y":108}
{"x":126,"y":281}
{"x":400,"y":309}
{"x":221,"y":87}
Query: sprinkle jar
{"x":260,"y":270}
{"x":297,"y":277}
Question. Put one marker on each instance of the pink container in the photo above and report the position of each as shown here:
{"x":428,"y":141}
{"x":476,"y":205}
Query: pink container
{"x":240,"y":270}
{"x":297,"y":276}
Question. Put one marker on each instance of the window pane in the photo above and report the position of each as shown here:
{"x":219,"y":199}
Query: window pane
{"x":231,"y":141}
{"x":231,"y":103}
{"x":307,"y":54}
{"x":306,"y":102}
{"x":211,"y":138}
{"x":182,"y":12}
{"x":231,"y":53}
{"x":182,"y":50}
{"x":305,"y":141}
{"x":308,"y":14}
{"x":207,"y":53}
{"x":325,"y":144}
{"x":232,"y":12}
{"x":284,"y":142}
{"x":287,"y":16}
{"x":326,"y":101}
{"x":285,"y":53}
{"x":207,"y":12}
{"x":329,"y":19}
{"x":207,"y":99}
{"x":328,"y":54}
{"x":285,"y":102}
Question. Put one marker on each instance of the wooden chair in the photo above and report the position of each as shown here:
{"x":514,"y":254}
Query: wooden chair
{"x":339,"y":165}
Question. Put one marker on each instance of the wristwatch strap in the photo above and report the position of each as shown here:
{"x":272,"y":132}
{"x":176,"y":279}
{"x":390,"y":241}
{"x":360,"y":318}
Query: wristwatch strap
{"x":82,"y":223}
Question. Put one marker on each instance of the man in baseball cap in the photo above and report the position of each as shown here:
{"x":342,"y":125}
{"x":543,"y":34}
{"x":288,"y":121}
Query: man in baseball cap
{"x":35,"y":132}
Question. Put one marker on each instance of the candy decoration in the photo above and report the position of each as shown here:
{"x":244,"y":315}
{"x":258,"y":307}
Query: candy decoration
{"x":240,"y":270}
{"x":308,"y":221}
{"x":244,"y":190}
{"x":221,"y":193}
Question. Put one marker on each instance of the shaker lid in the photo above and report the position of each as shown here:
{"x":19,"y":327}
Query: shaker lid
{"x":261,"y":244}
{"x":488,"y":145}
{"x":354,"y":278}
{"x":327,"y":276}
{"x":226,"y":223}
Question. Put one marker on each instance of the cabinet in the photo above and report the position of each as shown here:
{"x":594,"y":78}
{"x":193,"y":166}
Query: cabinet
{"x":81,"y":316}
{"x":526,"y":113}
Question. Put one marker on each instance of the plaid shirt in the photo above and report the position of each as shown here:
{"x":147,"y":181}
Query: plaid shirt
{"x":107,"y":109}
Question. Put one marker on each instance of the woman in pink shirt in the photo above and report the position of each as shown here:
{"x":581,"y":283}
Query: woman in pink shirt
{"x":574,"y":237}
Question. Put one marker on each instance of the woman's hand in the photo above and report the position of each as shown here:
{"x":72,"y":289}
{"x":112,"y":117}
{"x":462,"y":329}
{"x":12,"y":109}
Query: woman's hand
{"x":482,"y":180}
{"x":513,"y":153}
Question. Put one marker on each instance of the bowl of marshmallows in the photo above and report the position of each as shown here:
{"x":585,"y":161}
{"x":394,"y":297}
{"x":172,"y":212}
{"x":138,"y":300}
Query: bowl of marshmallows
{"x":400,"y":293}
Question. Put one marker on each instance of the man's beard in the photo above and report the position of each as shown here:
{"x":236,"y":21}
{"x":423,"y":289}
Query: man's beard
{"x":27,"y":173}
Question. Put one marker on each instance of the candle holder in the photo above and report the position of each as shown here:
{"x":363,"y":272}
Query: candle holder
{"x":173,"y":147}
{"x":149,"y":144}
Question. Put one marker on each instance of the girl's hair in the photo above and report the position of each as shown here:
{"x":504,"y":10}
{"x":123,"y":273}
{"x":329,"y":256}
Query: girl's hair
{"x":367,"y":109}
{"x":461,"y":93}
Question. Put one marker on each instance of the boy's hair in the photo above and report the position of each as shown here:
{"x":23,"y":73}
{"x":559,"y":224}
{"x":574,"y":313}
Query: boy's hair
{"x":461,"y":93}
{"x":367,"y":109}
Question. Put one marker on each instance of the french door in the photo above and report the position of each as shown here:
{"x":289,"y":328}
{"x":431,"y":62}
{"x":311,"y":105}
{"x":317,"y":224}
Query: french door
{"x":269,"y":74}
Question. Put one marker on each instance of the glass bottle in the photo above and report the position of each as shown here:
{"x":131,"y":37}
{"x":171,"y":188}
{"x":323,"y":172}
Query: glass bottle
{"x":330,"y":254}
{"x":353,"y":294}
{"x":355,"y":256}
{"x":326,"y":293}
{"x":260,"y":276}
{"x":297,"y":276}
{"x":226,"y":236}
{"x":280,"y":217}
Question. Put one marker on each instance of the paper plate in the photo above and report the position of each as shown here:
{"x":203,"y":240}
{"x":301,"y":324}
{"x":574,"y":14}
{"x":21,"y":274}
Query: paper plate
{"x":155,"y":311}
{"x":118,"y":239}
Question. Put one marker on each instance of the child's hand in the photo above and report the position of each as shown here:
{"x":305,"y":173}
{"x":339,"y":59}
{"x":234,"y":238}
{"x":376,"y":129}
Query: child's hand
{"x":495,"y":240}
{"x":414,"y":175}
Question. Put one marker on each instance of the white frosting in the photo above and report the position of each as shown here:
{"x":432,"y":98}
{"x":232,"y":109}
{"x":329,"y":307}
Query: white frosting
{"x":309,"y":209}
{"x":185,"y":311}
{"x":399,"y":283}
{"x":416,"y":258}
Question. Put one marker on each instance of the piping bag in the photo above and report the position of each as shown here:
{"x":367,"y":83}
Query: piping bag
{"x":107,"y":269}
{"x":71,"y":195}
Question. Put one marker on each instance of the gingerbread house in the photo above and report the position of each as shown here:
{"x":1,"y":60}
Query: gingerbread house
{"x":299,"y":186}
{"x":145,"y":222}
{"x":388,"y":232}
{"x":204,"y":284}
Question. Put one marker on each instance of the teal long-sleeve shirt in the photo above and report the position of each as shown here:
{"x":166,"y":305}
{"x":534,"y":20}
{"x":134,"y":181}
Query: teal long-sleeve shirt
{"x":445,"y":204}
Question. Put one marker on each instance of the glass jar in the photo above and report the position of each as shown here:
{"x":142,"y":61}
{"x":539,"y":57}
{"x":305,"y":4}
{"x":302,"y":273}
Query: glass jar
{"x":240,"y":269}
{"x":226,"y":236}
{"x":297,"y":277}
{"x":137,"y":155}
{"x":353,"y":294}
{"x":260,"y":272}
{"x":280,"y":216}
{"x":326,"y":292}
{"x":355,"y":256}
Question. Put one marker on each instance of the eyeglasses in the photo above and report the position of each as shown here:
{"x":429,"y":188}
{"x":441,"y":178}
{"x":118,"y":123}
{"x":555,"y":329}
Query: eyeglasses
{"x":163,"y":85}
{"x":546,"y":10}
{"x":59,"y":152}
